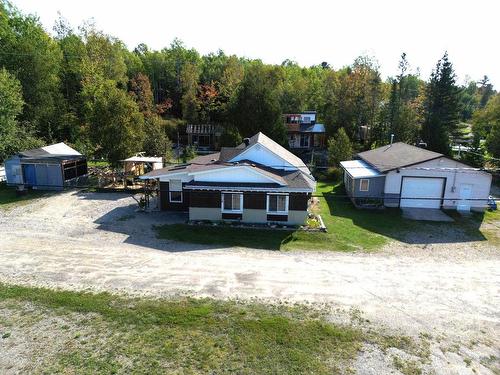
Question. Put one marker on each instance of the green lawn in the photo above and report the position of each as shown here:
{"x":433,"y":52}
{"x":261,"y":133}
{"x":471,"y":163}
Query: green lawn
{"x":9,"y":199}
{"x":98,"y":163}
{"x":349,"y":229}
{"x":104,"y":334}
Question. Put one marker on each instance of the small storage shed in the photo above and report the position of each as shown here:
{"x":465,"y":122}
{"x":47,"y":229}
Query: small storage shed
{"x":46,"y":168}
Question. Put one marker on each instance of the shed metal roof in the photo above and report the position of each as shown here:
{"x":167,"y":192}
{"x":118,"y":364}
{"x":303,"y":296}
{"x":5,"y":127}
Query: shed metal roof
{"x":359,"y":169}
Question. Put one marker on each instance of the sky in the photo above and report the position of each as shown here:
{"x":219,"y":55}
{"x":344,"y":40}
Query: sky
{"x":308,"y":31}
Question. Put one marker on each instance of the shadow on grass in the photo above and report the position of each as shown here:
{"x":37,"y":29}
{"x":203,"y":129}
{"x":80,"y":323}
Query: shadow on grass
{"x":9,"y":198}
{"x":226,"y":235}
{"x":390,"y":223}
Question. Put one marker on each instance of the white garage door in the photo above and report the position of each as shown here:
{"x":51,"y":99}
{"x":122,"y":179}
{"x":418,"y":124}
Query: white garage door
{"x":415,"y":190}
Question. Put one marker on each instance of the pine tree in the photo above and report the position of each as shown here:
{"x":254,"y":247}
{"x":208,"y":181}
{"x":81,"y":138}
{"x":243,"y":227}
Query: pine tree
{"x":442,"y":110}
{"x":339,"y":148}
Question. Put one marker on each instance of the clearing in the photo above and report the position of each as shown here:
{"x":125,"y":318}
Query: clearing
{"x":439,"y":285}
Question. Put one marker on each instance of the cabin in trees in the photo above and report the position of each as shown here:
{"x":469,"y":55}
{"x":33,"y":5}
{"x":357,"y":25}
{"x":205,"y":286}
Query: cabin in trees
{"x":47,"y":168}
{"x":205,"y":137}
{"x":303,"y":131}
{"x":258,"y":181}
{"x":401,"y":175}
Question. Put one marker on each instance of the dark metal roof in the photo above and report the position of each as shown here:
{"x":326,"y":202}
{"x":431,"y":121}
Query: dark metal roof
{"x":50,"y":159}
{"x":397,"y":155}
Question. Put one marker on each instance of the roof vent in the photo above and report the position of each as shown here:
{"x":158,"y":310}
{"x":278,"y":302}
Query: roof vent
{"x":246,"y":141}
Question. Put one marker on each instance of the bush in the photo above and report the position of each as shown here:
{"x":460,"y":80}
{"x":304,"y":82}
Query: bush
{"x":330,"y":174}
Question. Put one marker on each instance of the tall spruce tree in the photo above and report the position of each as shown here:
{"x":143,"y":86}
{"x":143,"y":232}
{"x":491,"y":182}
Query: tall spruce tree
{"x":442,"y":110}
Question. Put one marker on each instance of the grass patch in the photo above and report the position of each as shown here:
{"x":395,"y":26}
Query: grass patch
{"x":98,"y":163}
{"x":406,"y":367}
{"x":125,"y":217}
{"x":9,"y":198}
{"x":122,"y":335}
{"x":349,"y":229}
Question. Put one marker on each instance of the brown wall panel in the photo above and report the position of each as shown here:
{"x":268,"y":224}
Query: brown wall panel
{"x":208,"y":199}
{"x":298,"y":201}
{"x":277,"y":217}
{"x":231,"y":216}
{"x":172,"y":206}
{"x":256,"y":201}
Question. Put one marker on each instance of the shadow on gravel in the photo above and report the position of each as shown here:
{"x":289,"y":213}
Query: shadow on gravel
{"x":138,"y":226}
{"x":389,"y":222}
{"x":102,"y":196}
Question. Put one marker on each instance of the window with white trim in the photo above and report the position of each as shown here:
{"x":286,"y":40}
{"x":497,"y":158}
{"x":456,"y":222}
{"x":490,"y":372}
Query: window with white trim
{"x":364,"y":184}
{"x":175,"y":191}
{"x":277,"y":203}
{"x":232,"y":202}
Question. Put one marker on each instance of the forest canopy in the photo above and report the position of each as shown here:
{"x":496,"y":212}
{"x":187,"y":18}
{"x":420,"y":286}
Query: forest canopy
{"x":84,"y":87}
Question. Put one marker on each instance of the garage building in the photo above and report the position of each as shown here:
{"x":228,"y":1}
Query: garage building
{"x":401,"y":175}
{"x":47,"y":168}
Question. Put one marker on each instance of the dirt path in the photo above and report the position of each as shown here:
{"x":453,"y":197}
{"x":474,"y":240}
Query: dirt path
{"x":99,"y":242}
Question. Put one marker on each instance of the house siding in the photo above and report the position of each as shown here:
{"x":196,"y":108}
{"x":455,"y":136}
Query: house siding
{"x":375,"y":188}
{"x":206,"y":205}
{"x":205,"y":213}
{"x":165,"y":203}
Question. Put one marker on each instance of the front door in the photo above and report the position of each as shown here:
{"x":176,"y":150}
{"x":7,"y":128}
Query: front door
{"x":465,"y":196}
{"x":29,"y":172}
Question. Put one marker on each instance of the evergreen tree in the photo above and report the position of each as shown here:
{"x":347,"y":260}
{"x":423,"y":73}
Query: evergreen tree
{"x":339,"y":148}
{"x":441,"y":107}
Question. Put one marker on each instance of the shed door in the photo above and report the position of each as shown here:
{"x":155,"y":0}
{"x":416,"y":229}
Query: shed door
{"x":29,"y":174}
{"x":422,"y":192}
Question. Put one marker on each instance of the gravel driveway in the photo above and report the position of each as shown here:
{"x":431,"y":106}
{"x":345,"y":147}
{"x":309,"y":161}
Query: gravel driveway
{"x":97,"y":241}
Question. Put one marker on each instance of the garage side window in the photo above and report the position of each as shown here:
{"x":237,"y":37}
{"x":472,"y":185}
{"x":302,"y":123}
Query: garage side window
{"x":175,"y":191}
{"x":232,"y":202}
{"x":364,"y":184}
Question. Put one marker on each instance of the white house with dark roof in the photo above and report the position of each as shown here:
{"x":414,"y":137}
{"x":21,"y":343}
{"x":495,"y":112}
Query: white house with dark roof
{"x":401,"y":175}
{"x":258,"y":181}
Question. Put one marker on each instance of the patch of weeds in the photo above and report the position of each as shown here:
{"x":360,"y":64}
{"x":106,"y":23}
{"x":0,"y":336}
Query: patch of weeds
{"x":473,"y":343}
{"x":406,"y":367}
{"x":491,"y":362}
{"x":420,"y":348}
{"x":467,"y":361}
{"x":188,"y":335}
{"x":425,"y":336}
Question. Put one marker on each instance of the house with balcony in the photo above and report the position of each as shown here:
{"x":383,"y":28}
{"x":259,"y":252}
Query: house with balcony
{"x":303,"y":131}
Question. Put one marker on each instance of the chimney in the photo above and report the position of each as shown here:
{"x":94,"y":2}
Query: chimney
{"x":246,"y":141}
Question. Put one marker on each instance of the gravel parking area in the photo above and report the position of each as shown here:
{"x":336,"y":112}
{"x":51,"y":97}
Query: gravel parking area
{"x":98,"y":241}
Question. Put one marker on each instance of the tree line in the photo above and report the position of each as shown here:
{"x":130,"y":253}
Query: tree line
{"x":84,"y":87}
